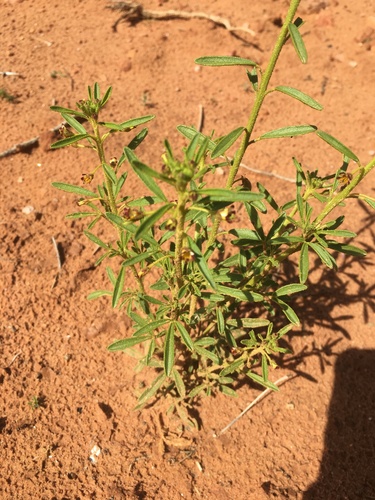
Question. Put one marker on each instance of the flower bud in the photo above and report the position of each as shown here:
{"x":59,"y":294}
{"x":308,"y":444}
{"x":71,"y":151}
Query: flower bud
{"x":87,"y":178}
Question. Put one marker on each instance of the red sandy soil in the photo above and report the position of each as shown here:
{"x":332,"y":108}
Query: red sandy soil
{"x":315,"y":438}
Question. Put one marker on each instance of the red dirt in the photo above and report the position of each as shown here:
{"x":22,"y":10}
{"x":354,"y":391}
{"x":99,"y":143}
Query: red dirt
{"x":320,"y":427}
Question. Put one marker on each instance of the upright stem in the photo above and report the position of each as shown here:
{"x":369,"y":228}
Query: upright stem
{"x":260,"y":95}
{"x":180,"y":232}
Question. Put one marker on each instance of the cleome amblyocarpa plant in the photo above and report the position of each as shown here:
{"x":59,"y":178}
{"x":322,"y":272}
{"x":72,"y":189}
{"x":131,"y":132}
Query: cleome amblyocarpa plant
{"x":202,"y":299}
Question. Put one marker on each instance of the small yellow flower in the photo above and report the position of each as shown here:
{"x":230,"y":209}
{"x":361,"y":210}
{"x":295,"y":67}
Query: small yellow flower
{"x":87,"y":178}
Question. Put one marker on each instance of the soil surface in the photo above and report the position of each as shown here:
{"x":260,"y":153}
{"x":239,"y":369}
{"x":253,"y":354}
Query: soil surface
{"x":315,"y":438}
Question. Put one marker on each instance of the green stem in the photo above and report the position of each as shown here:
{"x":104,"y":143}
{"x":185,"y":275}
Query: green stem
{"x":260,"y":96}
{"x":340,"y":197}
{"x":100,"y":149}
{"x":180,"y":233}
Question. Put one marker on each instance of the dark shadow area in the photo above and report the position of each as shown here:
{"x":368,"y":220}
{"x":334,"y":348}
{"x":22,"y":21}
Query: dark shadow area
{"x":347,"y":469}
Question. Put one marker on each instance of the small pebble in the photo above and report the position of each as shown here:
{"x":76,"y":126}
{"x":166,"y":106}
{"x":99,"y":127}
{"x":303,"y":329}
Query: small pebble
{"x":28,"y":209}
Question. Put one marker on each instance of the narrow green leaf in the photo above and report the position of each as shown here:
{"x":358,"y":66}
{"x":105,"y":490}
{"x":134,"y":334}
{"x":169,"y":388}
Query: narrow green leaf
{"x":226,"y":142}
{"x":347,"y":249}
{"x":205,"y":341}
{"x":151,"y":220}
{"x":264,"y":368}
{"x":98,"y":293}
{"x":119,"y":285}
{"x":289,"y":131}
{"x":220,"y":321}
{"x":81,"y":215}
{"x":152,"y":326}
{"x":336,"y":144}
{"x":135,"y":122}
{"x":224,"y":61}
{"x":180,"y":386}
{"x":246,"y":296}
{"x":220,"y":194}
{"x":288,"y":311}
{"x":68,"y":141}
{"x":260,"y":380}
{"x":151,"y":391}
{"x":106,"y":96}
{"x":233,"y":367}
{"x":95,"y":239}
{"x":190,"y":132}
{"x":137,"y":258}
{"x":290,"y":289}
{"x":146,"y":170}
{"x":96,"y":91}
{"x":136,"y":141}
{"x":339,"y":233}
{"x":300,"y":96}
{"x":370,"y":201}
{"x":298,"y":42}
{"x":74,"y":123}
{"x":142,"y":172}
{"x":248,"y":322}
{"x":228,"y":391}
{"x":69,"y":188}
{"x":110,"y":173}
{"x":184,"y":335}
{"x":194,"y":392}
{"x":208,"y":354}
{"x":201,"y":263}
{"x":325,"y":256}
{"x":304,"y":263}
{"x":60,"y":110}
{"x":121,"y":345}
{"x":169,"y":350}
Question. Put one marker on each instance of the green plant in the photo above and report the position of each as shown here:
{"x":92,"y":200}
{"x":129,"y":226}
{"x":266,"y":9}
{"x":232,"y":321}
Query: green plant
{"x":35,"y":403}
{"x":203,"y":299}
{"x":4,"y":94}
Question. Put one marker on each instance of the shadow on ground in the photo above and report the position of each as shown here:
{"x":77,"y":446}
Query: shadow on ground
{"x":348,"y":463}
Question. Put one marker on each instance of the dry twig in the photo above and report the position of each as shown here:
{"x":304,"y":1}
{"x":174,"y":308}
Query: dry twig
{"x":261,"y":396}
{"x":134,"y":12}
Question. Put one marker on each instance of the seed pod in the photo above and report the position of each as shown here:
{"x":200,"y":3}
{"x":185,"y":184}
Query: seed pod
{"x":113,"y":162}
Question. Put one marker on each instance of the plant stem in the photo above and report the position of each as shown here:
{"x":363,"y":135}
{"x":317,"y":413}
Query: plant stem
{"x":100,"y":149}
{"x":260,"y":95}
{"x":180,"y":233}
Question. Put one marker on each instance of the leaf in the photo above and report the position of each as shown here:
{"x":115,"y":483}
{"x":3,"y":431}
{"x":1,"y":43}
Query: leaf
{"x":191,"y":132}
{"x":205,"y":341}
{"x":142,"y":172}
{"x":169,"y":351}
{"x":304,"y":263}
{"x":298,"y":42}
{"x":300,"y":96}
{"x":137,"y":258}
{"x":220,"y":321}
{"x":69,"y":188}
{"x":153,"y":325}
{"x":208,"y":354}
{"x":325,"y":256}
{"x":146,"y":170}
{"x":233,"y":367}
{"x":201,"y":263}
{"x":347,"y":249}
{"x":97,"y":294}
{"x":226,"y":142}
{"x":180,"y":386}
{"x":95,"y":239}
{"x":245,"y":296}
{"x":68,"y":141}
{"x":81,"y":215}
{"x":121,"y":345}
{"x":110,"y":173}
{"x":288,"y":311}
{"x":336,"y":144}
{"x":106,"y":96}
{"x":224,"y":61}
{"x":151,"y":391}
{"x":119,"y":285}
{"x":260,"y":380}
{"x":136,"y":141}
{"x":370,"y":201}
{"x":220,"y":194}
{"x":96,"y":91}
{"x":151,"y":220}
{"x":289,"y":131}
{"x":184,"y":335}
{"x":248,"y":322}
{"x":228,"y":391}
{"x":290,"y":289}
{"x":60,"y":109}
{"x":135,"y":122}
{"x":74,"y":123}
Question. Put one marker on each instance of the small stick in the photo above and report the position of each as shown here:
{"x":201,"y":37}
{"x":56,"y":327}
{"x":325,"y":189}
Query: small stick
{"x":261,"y":396}
{"x":59,"y":266}
{"x":14,"y":359}
{"x":9,"y":73}
{"x":200,"y":118}
{"x":268,"y":174}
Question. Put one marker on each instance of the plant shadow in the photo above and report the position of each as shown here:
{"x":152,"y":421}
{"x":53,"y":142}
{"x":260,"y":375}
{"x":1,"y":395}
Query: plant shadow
{"x":348,"y":463}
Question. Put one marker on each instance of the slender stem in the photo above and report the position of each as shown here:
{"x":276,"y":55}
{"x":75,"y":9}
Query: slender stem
{"x":260,"y":95}
{"x":180,"y":233}
{"x":100,"y":149}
